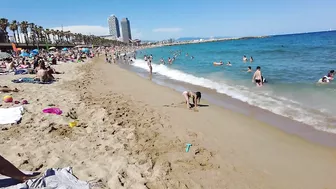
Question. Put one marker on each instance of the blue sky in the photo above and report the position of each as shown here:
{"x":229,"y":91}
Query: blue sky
{"x":163,"y":19}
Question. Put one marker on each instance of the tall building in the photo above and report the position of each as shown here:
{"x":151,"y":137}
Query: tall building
{"x":126,"y":30}
{"x":113,"y":26}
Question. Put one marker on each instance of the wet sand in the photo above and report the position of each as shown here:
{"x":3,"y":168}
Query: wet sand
{"x":132,"y":134}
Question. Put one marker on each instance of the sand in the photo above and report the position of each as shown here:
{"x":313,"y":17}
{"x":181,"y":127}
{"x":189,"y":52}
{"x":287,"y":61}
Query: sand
{"x":132,"y":134}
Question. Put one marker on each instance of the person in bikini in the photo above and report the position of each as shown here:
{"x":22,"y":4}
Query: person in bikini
{"x":257,"y":77}
{"x":196,"y":97}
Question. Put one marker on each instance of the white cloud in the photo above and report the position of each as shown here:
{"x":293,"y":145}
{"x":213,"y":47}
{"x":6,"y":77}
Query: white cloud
{"x":167,"y":30}
{"x":95,"y":30}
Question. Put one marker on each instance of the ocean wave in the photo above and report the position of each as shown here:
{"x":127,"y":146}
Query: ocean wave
{"x":262,"y":99}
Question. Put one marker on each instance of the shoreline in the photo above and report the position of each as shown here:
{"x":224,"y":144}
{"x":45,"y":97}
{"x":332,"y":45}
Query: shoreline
{"x":236,"y":138}
{"x":283,"y":123}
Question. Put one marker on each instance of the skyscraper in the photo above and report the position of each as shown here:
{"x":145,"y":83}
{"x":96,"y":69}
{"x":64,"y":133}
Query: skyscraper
{"x":126,"y":30}
{"x":113,"y":26}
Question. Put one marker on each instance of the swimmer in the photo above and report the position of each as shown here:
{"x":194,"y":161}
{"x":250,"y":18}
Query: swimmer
{"x":251,"y":59}
{"x":331,"y":74}
{"x":244,"y":58}
{"x":196,"y":97}
{"x":257,"y":77}
{"x":229,"y":64}
{"x":162,"y":61}
{"x":218,"y":63}
{"x":249,"y":69}
{"x":192,"y":57}
{"x":145,"y":57}
{"x":187,"y":54}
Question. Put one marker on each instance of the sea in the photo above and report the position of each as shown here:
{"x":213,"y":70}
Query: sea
{"x":292,"y":65}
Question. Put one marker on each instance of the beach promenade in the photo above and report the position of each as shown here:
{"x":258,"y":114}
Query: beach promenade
{"x":132,"y":133}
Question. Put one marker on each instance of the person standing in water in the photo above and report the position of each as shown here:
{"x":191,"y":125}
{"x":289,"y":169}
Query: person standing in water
{"x":149,"y":63}
{"x":249,"y":69}
{"x":196,"y":97}
{"x":257,"y":77}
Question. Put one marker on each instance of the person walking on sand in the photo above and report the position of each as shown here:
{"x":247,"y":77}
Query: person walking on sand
{"x":257,"y":77}
{"x":196,"y":97}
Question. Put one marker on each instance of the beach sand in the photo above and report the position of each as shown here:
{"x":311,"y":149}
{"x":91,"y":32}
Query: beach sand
{"x":132,"y":133}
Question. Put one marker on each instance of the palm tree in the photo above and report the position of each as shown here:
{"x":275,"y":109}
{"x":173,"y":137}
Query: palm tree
{"x":47,"y":33}
{"x":3,"y":26}
{"x":18,"y":32}
{"x":53,"y":33}
{"x":14,"y":27}
{"x":24,"y":30}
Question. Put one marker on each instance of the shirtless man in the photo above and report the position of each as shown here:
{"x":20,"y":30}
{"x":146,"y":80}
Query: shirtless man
{"x":196,"y":97}
{"x":249,"y":69}
{"x":257,"y":77}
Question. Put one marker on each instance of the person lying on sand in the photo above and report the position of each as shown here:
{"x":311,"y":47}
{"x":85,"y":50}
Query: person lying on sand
{"x":196,"y":97}
{"x":5,"y":89}
{"x":9,"y":170}
{"x":43,"y":73}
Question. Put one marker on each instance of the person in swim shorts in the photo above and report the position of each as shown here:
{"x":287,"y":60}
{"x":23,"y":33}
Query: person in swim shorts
{"x":196,"y":97}
{"x":257,"y":77}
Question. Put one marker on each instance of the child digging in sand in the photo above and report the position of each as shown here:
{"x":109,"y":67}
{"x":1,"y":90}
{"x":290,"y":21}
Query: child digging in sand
{"x":196,"y":97}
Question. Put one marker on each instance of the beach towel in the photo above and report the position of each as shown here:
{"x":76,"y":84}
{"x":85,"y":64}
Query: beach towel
{"x":21,"y":71}
{"x":29,"y":80}
{"x":10,"y":115}
{"x":52,"y":178}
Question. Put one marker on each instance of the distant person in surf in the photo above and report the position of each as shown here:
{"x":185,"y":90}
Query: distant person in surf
{"x":145,"y":58}
{"x":331,"y":74}
{"x":324,"y":80}
{"x":187,"y":54}
{"x":169,"y":60}
{"x":196,"y":97}
{"x":249,"y":69}
{"x":192,"y":57}
{"x":251,"y":59}
{"x":257,"y":77}
{"x":149,"y":63}
{"x":229,"y":64}
{"x":218,"y":63}
{"x":244,"y":58}
{"x":151,"y":57}
{"x":162,"y":61}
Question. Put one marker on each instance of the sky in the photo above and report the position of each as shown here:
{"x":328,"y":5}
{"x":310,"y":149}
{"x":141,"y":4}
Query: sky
{"x":164,"y":19}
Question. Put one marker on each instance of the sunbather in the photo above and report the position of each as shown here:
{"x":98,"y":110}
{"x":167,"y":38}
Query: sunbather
{"x":5,"y":89}
{"x":43,"y":73}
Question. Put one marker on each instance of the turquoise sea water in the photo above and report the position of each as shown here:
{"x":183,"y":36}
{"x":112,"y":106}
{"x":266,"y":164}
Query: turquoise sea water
{"x":292,"y":64}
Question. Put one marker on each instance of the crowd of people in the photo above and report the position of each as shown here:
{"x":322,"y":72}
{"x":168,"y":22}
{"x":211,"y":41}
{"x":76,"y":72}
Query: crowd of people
{"x":40,"y":62}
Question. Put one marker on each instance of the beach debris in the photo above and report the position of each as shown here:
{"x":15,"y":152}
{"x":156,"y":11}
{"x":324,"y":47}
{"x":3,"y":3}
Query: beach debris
{"x":188,"y":147}
{"x":73,"y":124}
{"x":72,"y":114}
{"x":56,"y":111}
{"x":8,"y":99}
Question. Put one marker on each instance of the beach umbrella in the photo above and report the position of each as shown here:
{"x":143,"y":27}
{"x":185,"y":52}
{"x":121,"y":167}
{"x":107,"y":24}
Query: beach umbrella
{"x":36,"y":51}
{"x":65,"y":49}
{"x":4,"y":55}
{"x":25,"y":54}
{"x":52,"y":48}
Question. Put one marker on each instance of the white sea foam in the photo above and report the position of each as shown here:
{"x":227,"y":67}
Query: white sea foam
{"x":265,"y":100}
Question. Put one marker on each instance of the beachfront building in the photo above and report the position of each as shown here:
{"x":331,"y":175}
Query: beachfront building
{"x":114,"y":29}
{"x":126,"y":30}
